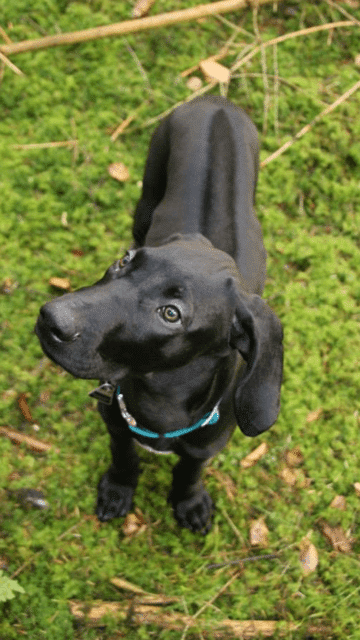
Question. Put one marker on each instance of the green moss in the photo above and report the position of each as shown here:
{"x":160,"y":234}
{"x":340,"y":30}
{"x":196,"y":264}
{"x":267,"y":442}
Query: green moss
{"x":308,"y":202}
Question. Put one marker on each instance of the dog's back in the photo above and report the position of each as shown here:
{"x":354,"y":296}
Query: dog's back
{"x":200,"y":177}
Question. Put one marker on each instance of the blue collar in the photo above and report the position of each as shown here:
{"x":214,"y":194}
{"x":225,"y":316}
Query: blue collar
{"x":209,"y":418}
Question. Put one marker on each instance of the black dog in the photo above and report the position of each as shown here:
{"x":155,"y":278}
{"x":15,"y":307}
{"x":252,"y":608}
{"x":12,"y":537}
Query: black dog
{"x":176,"y":332}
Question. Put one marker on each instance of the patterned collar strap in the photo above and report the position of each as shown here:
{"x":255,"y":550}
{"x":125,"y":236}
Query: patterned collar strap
{"x":209,"y":418}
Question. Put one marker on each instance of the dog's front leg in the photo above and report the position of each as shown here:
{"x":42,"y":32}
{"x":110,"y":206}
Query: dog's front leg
{"x":192,"y":505}
{"x":116,"y":487}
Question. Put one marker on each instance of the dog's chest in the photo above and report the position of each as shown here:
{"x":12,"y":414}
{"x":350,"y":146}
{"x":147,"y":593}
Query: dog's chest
{"x":160,"y":446}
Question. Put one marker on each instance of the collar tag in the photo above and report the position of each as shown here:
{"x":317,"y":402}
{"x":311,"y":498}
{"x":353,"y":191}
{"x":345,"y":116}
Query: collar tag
{"x":104,"y":393}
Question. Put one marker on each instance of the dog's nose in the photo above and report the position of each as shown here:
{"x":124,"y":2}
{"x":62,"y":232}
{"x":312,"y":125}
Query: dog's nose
{"x":58,"y":320}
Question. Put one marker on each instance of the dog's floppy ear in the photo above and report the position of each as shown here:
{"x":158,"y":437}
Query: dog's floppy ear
{"x":256,"y":333}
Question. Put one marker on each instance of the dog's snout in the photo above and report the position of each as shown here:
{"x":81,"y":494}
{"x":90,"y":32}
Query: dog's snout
{"x":59,"y":322}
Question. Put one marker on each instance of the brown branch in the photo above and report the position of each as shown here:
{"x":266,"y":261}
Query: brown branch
{"x":129,"y":26}
{"x":16,"y":436}
{"x":310,"y":125}
{"x":293,"y":34}
{"x":9,"y":64}
{"x":46,"y":145}
{"x":142,"y":615}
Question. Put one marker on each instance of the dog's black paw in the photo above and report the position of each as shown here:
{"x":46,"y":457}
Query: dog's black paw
{"x":114,"y":500}
{"x":195,"y":513}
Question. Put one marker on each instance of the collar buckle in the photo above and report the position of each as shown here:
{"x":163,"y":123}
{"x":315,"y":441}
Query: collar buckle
{"x":104,"y":393}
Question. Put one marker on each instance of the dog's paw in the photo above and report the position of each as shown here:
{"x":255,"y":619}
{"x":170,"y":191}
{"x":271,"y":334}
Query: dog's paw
{"x":195,"y":513}
{"x":114,"y":500}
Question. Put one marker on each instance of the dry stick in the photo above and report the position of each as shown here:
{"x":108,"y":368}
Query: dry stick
{"x":343,"y":11}
{"x":19,"y":438}
{"x":46,"y":145}
{"x":210,"y":602}
{"x":309,"y":126}
{"x":4,"y":35}
{"x":10,"y":65}
{"x":125,"y":123}
{"x":129,"y":26}
{"x":293,"y":34}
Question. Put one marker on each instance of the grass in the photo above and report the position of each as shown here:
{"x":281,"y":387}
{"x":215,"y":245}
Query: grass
{"x":308,"y":202}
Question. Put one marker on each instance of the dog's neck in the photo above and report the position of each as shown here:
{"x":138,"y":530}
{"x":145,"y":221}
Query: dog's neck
{"x":165,"y":403}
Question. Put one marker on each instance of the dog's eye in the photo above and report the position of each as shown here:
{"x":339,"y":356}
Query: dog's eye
{"x":127,"y":258}
{"x":170,"y":314}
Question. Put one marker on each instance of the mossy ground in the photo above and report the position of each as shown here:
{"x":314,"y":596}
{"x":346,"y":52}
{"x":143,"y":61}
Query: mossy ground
{"x":308,"y":202}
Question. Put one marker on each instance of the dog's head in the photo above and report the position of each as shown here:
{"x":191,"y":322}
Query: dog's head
{"x":160,"y":308}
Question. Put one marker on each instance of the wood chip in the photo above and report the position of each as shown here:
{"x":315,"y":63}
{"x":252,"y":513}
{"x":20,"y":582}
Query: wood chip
{"x":119,"y":171}
{"x":60,"y":283}
{"x":214,"y":71}
{"x":254,"y":456}
{"x":357,"y":488}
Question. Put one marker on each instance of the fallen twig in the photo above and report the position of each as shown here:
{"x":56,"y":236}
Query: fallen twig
{"x":16,"y":436}
{"x":142,"y":614}
{"x":11,"y":66}
{"x":309,"y":126}
{"x":46,"y":145}
{"x":4,"y":35}
{"x":128,"y":26}
{"x":293,"y":34}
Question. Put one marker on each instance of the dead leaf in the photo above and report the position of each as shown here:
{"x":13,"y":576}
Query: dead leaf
{"x":258,"y":533}
{"x":254,"y":456}
{"x":134,"y":524}
{"x":314,"y":415}
{"x":60,"y":283}
{"x":44,"y":396}
{"x":141,"y":8}
{"x":194,"y":83}
{"x":357,"y":488}
{"x":308,"y":556}
{"x":294,"y":457}
{"x":119,"y":171}
{"x":339,"y":502}
{"x":8,"y":286}
{"x":24,"y":408}
{"x":357,"y":60}
{"x":289,"y":475}
{"x":295,"y":476}
{"x":214,"y":71}
{"x":336,"y":537}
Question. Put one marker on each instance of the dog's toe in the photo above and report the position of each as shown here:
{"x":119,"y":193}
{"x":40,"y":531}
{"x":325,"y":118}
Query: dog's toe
{"x":114,"y":500}
{"x":195,"y":513}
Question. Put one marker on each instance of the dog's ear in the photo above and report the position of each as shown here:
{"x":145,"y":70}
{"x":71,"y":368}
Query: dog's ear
{"x":256,"y":333}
